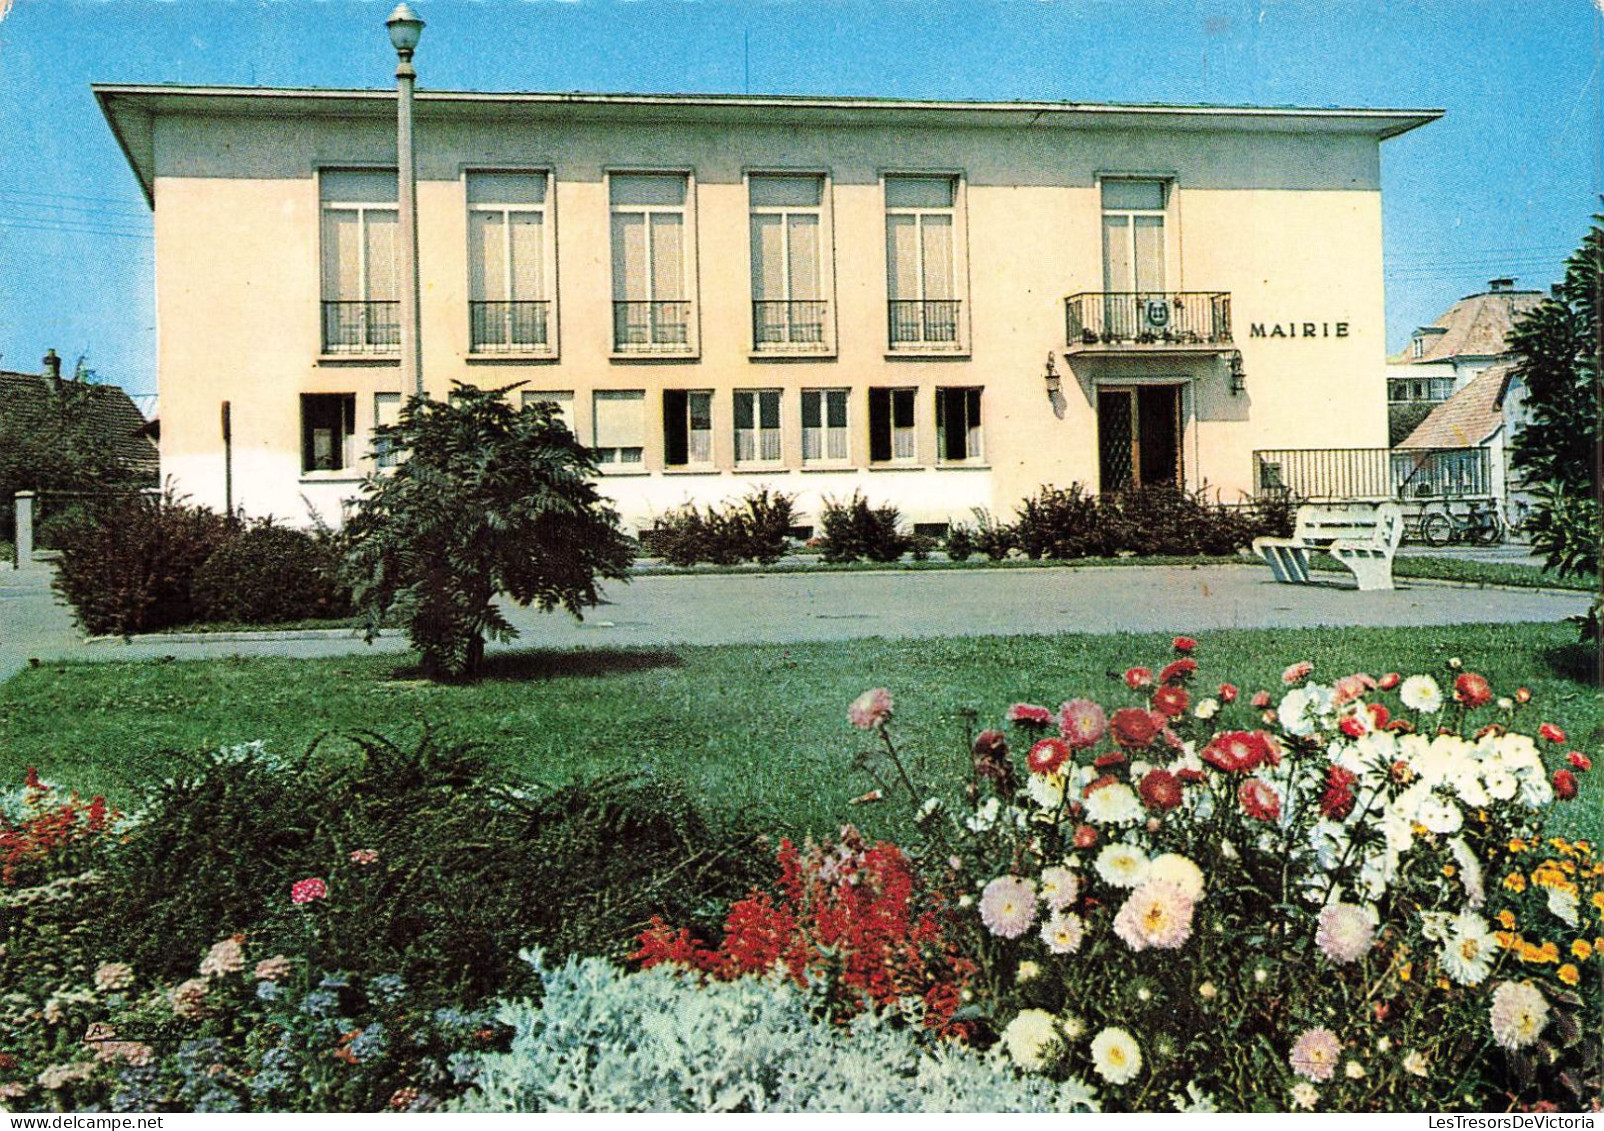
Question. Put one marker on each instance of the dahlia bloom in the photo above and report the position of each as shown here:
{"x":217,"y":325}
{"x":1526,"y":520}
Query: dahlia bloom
{"x":1029,"y":715}
{"x":1468,"y":952}
{"x":1060,"y":887}
{"x":1134,"y":727}
{"x":1472,"y":690}
{"x":1240,"y":751}
{"x":1030,"y":1038}
{"x":1421,"y":693}
{"x":1008,"y":906}
{"x":1112,"y":804}
{"x":1121,"y":865}
{"x":1564,"y":785}
{"x":1116,"y":1056}
{"x":305,"y":891}
{"x":1138,"y":678}
{"x":1081,"y":723}
{"x":1046,"y":790}
{"x":1315,"y":1054}
{"x":1519,"y":1013}
{"x":1063,"y":932}
{"x":1305,"y":1095}
{"x":1259,"y":800}
{"x":1158,"y":914}
{"x":1047,"y":756}
{"x":1177,"y":670}
{"x":1228,"y":693}
{"x":1261,"y":699}
{"x":1345,"y":932}
{"x":1171,"y":700}
{"x":1184,"y":644}
{"x":1160,"y":790}
{"x":225,"y":957}
{"x":871,"y":709}
{"x":1579,"y":760}
{"x":1551,"y":732}
{"x":1389,"y":681}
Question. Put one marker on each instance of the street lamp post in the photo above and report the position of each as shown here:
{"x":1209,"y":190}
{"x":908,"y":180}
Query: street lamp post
{"x":405,"y":30}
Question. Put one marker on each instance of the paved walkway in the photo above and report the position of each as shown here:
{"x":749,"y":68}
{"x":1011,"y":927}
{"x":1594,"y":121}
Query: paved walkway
{"x":835,"y":606}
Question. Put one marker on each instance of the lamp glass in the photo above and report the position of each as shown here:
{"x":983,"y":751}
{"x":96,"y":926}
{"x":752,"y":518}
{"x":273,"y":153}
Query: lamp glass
{"x":405,"y":29}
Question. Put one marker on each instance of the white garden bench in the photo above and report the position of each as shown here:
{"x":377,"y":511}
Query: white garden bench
{"x":1364,"y":537}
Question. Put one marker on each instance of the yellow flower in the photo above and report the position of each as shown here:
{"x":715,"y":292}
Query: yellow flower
{"x":1448,"y":870}
{"x":1582,"y":949}
{"x":1509,"y":940}
{"x":1506,"y":919}
{"x":1517,"y":845}
{"x":1598,"y":901}
{"x":1405,"y":972}
{"x":1444,"y":984}
{"x":1568,"y":974}
{"x":1515,"y":882}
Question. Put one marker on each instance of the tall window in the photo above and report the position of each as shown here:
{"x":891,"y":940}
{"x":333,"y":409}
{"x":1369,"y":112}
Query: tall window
{"x":891,"y":425}
{"x":958,"y":425}
{"x":328,"y":431}
{"x":361,"y":296}
{"x":687,"y":428}
{"x":508,"y":302}
{"x":386,"y":414}
{"x":824,"y":425}
{"x":788,"y":304}
{"x":651,"y":277}
{"x":757,"y":425}
{"x":1133,"y":236}
{"x":562,"y":401}
{"x":619,"y":420}
{"x":921,"y":260}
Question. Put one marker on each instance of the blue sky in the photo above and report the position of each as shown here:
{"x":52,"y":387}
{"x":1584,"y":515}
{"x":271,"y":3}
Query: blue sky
{"x":1503,"y":185}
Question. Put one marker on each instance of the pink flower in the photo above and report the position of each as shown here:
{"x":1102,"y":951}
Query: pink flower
{"x":871,"y":709}
{"x":305,"y":891}
{"x":1047,"y":756}
{"x":1315,"y":1055}
{"x":1008,"y":906}
{"x":364,"y":857}
{"x":1240,"y":751}
{"x":1228,"y":693}
{"x":1296,"y":672}
{"x":1350,"y":687}
{"x":1085,"y":836}
{"x":1551,"y":732}
{"x":1184,"y":644}
{"x":1158,"y":914}
{"x":1261,"y":699}
{"x":1030,"y":715}
{"x":1259,"y":800}
{"x":1345,"y":932}
{"x":1081,"y":723}
{"x":1138,"y":678}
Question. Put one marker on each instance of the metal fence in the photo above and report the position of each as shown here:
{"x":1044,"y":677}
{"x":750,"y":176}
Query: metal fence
{"x":1373,"y":473}
{"x":1176,"y":318}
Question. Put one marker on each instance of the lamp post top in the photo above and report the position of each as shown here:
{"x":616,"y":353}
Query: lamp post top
{"x":405,"y":30}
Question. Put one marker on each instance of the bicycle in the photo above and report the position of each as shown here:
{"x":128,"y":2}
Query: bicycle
{"x":1478,"y":526}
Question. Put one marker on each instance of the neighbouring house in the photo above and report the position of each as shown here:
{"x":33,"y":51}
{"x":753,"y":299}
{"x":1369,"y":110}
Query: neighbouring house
{"x":100,"y":419}
{"x":944,"y":305}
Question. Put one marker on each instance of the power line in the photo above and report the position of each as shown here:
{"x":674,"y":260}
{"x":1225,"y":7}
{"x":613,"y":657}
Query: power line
{"x":69,"y":196}
{"x":71,"y":230}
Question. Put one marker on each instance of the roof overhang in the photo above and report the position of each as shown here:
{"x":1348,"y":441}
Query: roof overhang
{"x":131,"y":109}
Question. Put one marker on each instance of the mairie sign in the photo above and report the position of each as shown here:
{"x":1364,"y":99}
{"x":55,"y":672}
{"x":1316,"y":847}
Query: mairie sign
{"x":1298,"y":330}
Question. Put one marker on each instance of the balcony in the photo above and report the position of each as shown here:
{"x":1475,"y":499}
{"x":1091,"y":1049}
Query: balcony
{"x":924,"y":322}
{"x":652,"y":327}
{"x":779,"y":326}
{"x":1147,"y":321}
{"x":508,"y":327}
{"x":361,"y":327}
{"x":1372,"y":474}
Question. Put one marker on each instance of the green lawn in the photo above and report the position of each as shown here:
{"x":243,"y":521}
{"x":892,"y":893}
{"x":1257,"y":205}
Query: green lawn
{"x":759,"y":730}
{"x":1517,"y":574}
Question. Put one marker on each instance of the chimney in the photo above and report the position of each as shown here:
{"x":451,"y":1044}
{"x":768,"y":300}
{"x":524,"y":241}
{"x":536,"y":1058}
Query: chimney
{"x":1498,"y":286}
{"x":52,"y":365}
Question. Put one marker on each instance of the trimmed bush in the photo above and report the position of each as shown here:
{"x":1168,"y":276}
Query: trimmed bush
{"x":267,"y":574}
{"x":994,"y":539}
{"x":853,"y":530}
{"x":1060,"y":523}
{"x":753,"y":529}
{"x":960,"y":544}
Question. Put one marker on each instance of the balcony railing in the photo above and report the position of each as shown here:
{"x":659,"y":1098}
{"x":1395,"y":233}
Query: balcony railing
{"x":652,"y":327}
{"x":795,"y":323}
{"x":1143,"y":320}
{"x":361,"y":327}
{"x":508,"y":327}
{"x":1407,"y":474}
{"x":924,"y":322}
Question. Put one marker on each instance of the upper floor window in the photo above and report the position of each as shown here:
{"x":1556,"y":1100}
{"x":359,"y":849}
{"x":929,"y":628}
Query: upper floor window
{"x":652,"y":302}
{"x":922,"y":261}
{"x":509,"y":304}
{"x":789,"y":307}
{"x":361,"y":280}
{"x":1133,"y":235}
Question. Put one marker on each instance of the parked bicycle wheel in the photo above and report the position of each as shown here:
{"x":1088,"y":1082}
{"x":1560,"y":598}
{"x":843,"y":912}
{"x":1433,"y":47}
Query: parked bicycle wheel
{"x":1489,"y":532}
{"x":1436,"y":529}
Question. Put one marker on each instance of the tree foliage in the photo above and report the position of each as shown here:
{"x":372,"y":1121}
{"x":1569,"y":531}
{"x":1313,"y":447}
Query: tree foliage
{"x":484,"y":500}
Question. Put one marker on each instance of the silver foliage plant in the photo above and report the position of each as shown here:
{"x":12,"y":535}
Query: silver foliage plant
{"x":607,"y":1041}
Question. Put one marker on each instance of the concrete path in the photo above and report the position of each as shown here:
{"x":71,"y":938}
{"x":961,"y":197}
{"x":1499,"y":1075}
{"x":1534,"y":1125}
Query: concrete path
{"x":834,"y":606}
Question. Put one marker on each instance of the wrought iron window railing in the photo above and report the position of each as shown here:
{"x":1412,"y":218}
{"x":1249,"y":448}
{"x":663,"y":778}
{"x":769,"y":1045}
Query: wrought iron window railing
{"x":361,"y":326}
{"x":508,"y":327}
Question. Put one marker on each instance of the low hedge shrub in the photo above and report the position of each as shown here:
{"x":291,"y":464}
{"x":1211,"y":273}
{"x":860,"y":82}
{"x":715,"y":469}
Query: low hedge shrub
{"x":853,"y":530}
{"x":266,"y":574}
{"x":752,"y":529}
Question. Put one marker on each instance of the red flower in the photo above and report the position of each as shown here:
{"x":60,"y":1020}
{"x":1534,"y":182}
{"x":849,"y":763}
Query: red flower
{"x":1551,"y":732}
{"x":1171,"y":700}
{"x":1337,"y":800}
{"x":1579,"y":760}
{"x":1160,"y":791}
{"x":307,"y":890}
{"x":1389,"y":681}
{"x":1135,"y":728}
{"x":1178,"y":671}
{"x":1047,"y":756}
{"x":1138,"y":678}
{"x":1184,"y":644}
{"x":1259,"y":800}
{"x":1100,"y":783}
{"x":1261,"y":699}
{"x":1564,"y":785}
{"x":1228,"y":693}
{"x":1379,"y":715}
{"x":1240,"y":751}
{"x":1353,"y":726}
{"x":1189,"y":776}
{"x":1472,"y":690}
{"x":1296,"y":672}
{"x":1523,"y":695}
{"x":1085,"y":836}
{"x":1112,"y":758}
{"x":1028,"y":714}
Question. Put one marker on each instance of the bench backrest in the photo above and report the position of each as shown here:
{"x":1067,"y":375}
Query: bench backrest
{"x":1324,"y":523}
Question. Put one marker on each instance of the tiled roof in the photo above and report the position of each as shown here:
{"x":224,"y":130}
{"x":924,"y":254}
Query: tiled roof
{"x":1469,"y":417}
{"x":1475,"y":326}
{"x":28,"y":397}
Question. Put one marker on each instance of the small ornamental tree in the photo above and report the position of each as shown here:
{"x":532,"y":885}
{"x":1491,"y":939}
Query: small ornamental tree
{"x":483,"y":500}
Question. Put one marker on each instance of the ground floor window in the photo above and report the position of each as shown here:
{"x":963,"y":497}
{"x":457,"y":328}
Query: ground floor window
{"x":560,"y":399}
{"x":958,"y":425}
{"x":386,"y":414}
{"x":619,"y":431}
{"x":687,"y":427}
{"x":824,"y":425}
{"x":757,"y":425}
{"x":328,"y":431}
{"x":891,"y":425}
{"x":1139,"y":437}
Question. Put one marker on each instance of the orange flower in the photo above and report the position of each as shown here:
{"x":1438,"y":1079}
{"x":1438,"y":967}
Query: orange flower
{"x":1568,"y":974}
{"x":1515,"y":882}
{"x":1517,"y":845}
{"x":1506,"y":919}
{"x":1582,"y":949}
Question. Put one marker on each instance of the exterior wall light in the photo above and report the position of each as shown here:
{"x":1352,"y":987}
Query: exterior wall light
{"x":1239,"y":377}
{"x":1054,"y":384}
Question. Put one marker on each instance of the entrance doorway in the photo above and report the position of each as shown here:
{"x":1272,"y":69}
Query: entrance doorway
{"x":1139,"y":436}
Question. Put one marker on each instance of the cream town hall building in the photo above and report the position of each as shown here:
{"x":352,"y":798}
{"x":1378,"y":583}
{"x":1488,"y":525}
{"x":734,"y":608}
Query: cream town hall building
{"x":944,"y":305}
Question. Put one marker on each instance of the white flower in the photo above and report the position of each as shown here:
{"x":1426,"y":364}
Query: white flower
{"x":985,"y":816}
{"x":1031,"y":1038}
{"x":1439,"y":816}
{"x":1305,"y":1095}
{"x":1063,"y":931}
{"x":1563,"y":906}
{"x":1027,"y":970}
{"x":1518,"y":1014}
{"x":1178,"y":870}
{"x":1059,"y":887}
{"x":1207,"y":708}
{"x":1121,"y":865}
{"x":1470,"y":873}
{"x":1353,"y":1070}
{"x":1535,"y":792}
{"x":1304,"y":709}
{"x":1046,"y":790}
{"x":1113,"y":805}
{"x":1467,"y":954}
{"x":1116,"y":1056}
{"x":1414,"y":1063}
{"x":1501,"y":784}
{"x":1421,"y":693}
{"x":1195,"y":1100}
